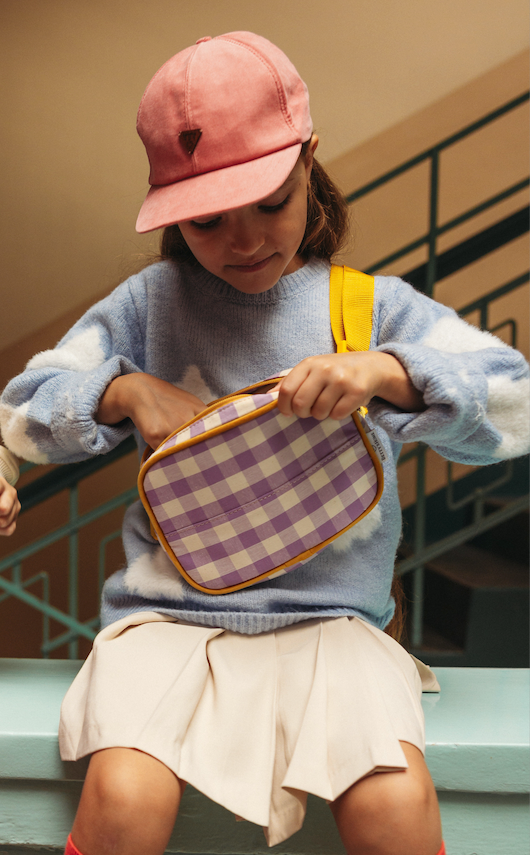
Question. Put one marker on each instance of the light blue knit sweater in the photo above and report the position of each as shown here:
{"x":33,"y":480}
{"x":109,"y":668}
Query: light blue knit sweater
{"x":187,"y":327}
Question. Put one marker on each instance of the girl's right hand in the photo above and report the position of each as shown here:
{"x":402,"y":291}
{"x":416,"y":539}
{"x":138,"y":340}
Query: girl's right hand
{"x":156,"y":407}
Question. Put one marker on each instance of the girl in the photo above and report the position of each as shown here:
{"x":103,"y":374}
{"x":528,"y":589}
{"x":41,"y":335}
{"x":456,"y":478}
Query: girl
{"x":259,"y":696}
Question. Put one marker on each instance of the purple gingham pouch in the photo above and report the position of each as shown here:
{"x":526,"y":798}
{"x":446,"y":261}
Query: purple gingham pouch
{"x":243,"y":493}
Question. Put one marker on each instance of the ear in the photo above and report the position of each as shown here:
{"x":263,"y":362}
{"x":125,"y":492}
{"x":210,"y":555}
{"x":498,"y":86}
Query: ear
{"x":308,"y":160}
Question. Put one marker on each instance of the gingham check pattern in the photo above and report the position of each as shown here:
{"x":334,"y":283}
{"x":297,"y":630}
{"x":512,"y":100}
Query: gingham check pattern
{"x":244,"y":502}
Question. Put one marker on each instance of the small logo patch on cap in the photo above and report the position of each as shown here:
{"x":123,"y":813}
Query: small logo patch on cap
{"x":189,"y":139}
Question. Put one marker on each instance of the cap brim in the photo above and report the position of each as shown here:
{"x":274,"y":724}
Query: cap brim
{"x":214,"y":192}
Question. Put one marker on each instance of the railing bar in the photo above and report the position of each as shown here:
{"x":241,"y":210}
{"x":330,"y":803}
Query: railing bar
{"x":494,"y":295}
{"x":85,"y":519}
{"x":73,"y":566}
{"x":480,"y":123}
{"x":36,"y":578}
{"x":458,"y":504}
{"x":417,"y":159}
{"x":473,"y":248}
{"x":434,"y":550}
{"x":67,"y":636}
{"x":479,"y":209}
{"x":48,"y":609}
{"x":408,"y":455}
{"x":433,"y":220}
{"x":419,"y":543}
{"x":498,"y":238}
{"x":69,"y":474}
{"x":399,"y":253}
{"x":509,"y":322}
{"x":45,"y":617}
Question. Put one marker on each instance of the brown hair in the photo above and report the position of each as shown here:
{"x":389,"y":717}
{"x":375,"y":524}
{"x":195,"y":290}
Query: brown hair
{"x":326,"y":227}
{"x":396,"y":627}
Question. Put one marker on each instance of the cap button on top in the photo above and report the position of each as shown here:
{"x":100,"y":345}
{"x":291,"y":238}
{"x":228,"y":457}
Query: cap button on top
{"x":204,"y":39}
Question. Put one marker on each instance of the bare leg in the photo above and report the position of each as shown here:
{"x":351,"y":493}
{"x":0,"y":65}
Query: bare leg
{"x":128,"y":805}
{"x":391,"y":813}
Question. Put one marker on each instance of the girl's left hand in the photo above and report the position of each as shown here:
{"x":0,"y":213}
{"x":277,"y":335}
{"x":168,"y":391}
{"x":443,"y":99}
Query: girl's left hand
{"x":9,"y":508}
{"x":336,"y":384}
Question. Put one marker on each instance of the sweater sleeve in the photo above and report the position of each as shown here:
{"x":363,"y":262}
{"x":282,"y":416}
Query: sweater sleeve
{"x":475,"y":387}
{"x":47,"y":413}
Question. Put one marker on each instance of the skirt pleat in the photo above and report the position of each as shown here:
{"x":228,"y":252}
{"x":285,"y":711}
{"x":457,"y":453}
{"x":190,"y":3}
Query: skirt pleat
{"x":253,"y":722}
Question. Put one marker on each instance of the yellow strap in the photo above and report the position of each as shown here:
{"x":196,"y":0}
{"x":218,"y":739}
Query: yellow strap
{"x":351,"y":305}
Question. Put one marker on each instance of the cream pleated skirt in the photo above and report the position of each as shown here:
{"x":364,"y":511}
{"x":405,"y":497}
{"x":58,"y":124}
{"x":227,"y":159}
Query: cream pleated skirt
{"x":253,"y":722}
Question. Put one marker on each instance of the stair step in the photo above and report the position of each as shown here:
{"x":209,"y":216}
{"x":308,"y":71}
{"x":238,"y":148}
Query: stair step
{"x":510,"y":538}
{"x":473,"y":567}
{"x":434,"y":642}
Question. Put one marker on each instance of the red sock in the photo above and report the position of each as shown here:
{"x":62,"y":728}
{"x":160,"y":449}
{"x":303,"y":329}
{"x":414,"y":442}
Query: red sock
{"x":441,"y":852}
{"x":71,"y":848}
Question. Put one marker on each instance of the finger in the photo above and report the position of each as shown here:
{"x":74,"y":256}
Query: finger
{"x":6,"y":532}
{"x":290,"y":386}
{"x":8,"y":520}
{"x":333,"y":404}
{"x":8,"y":498}
{"x":316,"y":396}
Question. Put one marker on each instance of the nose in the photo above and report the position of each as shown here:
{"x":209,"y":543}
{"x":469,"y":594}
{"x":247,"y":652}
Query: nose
{"x":245,"y":236}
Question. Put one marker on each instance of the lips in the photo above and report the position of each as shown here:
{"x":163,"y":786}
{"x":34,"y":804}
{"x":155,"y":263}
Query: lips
{"x":251,"y":268}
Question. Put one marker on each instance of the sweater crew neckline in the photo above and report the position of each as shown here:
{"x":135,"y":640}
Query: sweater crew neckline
{"x":287,"y":288}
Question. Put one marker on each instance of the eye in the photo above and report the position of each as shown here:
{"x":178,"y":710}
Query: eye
{"x":271,"y":209}
{"x":207,"y":224}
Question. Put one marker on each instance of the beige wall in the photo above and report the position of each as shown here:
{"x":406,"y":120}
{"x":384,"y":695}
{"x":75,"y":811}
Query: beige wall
{"x":74,"y":173}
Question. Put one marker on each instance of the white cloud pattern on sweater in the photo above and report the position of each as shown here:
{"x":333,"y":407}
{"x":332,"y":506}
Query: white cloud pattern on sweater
{"x":14,"y":422}
{"x":153,"y":575}
{"x":82,"y":352}
{"x":362,"y":531}
{"x":453,"y":335}
{"x":509,"y":412}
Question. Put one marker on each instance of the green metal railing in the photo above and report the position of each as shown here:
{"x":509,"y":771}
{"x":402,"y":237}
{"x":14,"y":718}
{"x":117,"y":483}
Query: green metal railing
{"x":64,"y":478}
{"x":437,"y":266}
{"x":437,"y":229}
{"x":424,"y":278}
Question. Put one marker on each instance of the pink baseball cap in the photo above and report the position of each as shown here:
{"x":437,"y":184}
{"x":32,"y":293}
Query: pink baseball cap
{"x":223,"y":124}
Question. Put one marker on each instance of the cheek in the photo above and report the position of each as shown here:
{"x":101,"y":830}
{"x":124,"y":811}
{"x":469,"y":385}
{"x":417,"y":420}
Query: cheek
{"x":202,"y":248}
{"x":298,"y":221}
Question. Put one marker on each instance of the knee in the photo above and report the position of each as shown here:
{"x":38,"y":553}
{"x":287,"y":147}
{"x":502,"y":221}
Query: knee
{"x":400,"y":800}
{"x":389,"y":813}
{"x":126,"y":785}
{"x":118,"y":790}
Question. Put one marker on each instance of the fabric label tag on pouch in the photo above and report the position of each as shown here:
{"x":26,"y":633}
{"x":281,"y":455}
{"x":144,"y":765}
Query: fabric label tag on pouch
{"x":376,"y":444}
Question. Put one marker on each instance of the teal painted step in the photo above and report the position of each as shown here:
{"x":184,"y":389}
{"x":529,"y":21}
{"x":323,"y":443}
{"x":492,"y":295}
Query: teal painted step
{"x":477,"y":751}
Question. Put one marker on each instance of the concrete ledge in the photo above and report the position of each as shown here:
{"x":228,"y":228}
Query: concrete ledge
{"x":477,"y":751}
{"x":477,"y":730}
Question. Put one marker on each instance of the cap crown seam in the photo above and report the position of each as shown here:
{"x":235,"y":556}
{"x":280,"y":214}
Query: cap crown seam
{"x":280,"y":89}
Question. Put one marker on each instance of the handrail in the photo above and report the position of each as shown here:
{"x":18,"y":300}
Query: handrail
{"x":425,"y":277}
{"x":68,"y":475}
{"x":446,"y":143}
{"x":429,"y":239}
